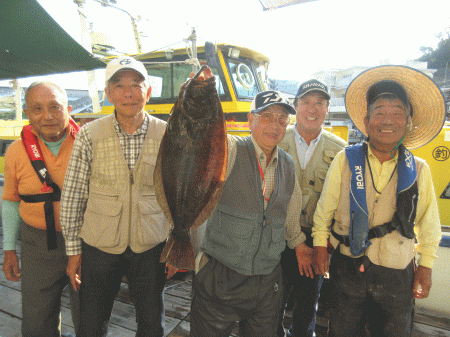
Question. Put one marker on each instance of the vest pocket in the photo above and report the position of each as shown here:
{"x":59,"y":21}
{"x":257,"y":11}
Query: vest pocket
{"x":277,"y":245}
{"x":229,"y":240}
{"x":101,"y":222}
{"x":319,"y":179}
{"x":395,"y":251}
{"x":152,"y":228}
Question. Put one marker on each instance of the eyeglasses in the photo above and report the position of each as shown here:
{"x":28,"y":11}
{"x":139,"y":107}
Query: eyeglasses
{"x":268,"y":118}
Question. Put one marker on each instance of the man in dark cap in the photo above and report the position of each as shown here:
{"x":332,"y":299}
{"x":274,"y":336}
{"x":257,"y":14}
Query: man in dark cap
{"x":312,"y":148}
{"x":239,"y":277}
{"x":377,"y":199}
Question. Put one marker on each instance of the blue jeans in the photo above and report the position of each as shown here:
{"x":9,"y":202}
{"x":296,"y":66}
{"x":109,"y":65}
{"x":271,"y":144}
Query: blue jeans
{"x":101,"y":275}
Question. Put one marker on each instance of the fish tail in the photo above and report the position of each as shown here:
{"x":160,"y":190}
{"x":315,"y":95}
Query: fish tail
{"x":181,"y":254}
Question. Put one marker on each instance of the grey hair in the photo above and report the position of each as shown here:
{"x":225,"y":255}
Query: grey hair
{"x":389,"y":97}
{"x":48,"y":84}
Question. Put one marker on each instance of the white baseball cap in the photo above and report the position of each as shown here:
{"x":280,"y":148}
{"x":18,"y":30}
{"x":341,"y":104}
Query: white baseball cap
{"x":124,"y":63}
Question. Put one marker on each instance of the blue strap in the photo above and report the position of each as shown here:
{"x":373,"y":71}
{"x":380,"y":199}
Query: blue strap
{"x":359,"y":219}
{"x":406,"y":169}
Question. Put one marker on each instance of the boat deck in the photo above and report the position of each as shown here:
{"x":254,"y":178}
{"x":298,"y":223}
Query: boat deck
{"x":177,"y":302}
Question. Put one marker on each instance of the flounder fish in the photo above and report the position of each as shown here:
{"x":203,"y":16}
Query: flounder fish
{"x":191,"y":164}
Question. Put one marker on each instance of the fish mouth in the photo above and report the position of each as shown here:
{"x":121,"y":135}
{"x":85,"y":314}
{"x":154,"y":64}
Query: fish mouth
{"x":204,"y":74}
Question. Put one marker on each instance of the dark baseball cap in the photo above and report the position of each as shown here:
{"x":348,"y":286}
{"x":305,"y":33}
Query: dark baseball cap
{"x":386,"y":87}
{"x":265,"y":99}
{"x":312,"y":85}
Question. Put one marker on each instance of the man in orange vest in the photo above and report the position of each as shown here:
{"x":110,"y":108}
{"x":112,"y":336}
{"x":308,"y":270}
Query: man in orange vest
{"x":35,"y":166}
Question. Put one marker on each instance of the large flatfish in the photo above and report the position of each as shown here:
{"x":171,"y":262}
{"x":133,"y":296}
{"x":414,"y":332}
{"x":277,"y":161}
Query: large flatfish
{"x":191,"y":164}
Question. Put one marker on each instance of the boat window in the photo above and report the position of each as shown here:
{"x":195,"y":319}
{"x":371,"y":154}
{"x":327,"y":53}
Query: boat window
{"x":262,"y":76}
{"x":167,"y":78}
{"x":243,"y":78}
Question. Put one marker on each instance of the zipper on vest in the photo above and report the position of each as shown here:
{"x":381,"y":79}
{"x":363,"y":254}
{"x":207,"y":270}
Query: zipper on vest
{"x":130,"y":206}
{"x":259,"y":243}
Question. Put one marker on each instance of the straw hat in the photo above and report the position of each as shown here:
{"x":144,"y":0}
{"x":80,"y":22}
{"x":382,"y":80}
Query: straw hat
{"x":426,"y":99}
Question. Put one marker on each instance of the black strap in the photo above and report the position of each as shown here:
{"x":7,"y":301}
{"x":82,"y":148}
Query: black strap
{"x":48,"y":199}
{"x":375,"y":232}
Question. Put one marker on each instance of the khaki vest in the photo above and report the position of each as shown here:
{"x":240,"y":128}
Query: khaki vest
{"x":311,"y":179}
{"x":392,"y":250}
{"x":122,"y":210}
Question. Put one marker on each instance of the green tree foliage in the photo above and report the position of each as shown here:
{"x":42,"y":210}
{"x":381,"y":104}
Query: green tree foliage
{"x":437,"y":58}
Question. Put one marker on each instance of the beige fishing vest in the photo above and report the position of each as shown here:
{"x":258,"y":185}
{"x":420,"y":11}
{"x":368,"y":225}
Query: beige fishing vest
{"x":392,"y":250}
{"x":311,"y":179}
{"x":122,"y":210}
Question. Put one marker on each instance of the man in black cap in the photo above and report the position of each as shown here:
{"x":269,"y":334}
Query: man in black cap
{"x":312,"y":148}
{"x":239,"y":276}
{"x":377,"y":200}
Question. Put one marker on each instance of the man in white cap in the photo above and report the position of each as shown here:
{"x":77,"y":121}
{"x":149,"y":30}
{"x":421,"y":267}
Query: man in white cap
{"x":313,"y":149}
{"x":111,"y":221}
{"x":377,"y":200}
{"x":240,"y":277}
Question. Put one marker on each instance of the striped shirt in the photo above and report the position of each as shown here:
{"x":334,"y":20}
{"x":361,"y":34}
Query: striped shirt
{"x":76,"y":183}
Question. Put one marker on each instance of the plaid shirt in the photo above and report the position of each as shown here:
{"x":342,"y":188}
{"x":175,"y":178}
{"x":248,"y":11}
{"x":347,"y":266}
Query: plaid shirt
{"x":294,"y":234}
{"x":75,"y":191}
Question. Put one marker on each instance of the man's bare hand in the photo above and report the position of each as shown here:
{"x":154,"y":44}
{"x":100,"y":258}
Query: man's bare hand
{"x":320,"y":260}
{"x":422,"y":282}
{"x":304,"y":259}
{"x":11,"y":266}
{"x":74,"y":270}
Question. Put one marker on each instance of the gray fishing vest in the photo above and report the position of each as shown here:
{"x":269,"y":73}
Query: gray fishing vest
{"x":240,"y":233}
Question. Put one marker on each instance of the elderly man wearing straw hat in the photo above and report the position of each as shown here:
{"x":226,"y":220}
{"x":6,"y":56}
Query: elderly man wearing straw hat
{"x":377,"y":199}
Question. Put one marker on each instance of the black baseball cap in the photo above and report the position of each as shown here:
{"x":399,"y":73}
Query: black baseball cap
{"x":312,"y":85}
{"x":265,"y":99}
{"x":386,"y":87}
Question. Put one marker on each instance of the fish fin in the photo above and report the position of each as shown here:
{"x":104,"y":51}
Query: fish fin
{"x":181,"y":254}
{"x":159,"y":189}
{"x":211,"y":205}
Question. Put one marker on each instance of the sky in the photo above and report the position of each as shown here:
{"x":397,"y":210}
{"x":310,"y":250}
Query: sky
{"x":300,"y":39}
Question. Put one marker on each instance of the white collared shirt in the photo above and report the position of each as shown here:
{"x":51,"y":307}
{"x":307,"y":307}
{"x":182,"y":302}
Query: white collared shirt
{"x":304,"y":151}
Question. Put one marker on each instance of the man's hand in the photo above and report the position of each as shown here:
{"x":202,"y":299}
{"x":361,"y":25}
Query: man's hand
{"x":74,"y":270}
{"x":304,"y":259}
{"x":11,"y":266}
{"x":422,"y":282}
{"x":320,"y":260}
{"x":170,"y":271}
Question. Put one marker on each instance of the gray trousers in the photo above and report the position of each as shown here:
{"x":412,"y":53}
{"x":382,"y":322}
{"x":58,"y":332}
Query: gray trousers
{"x":43,"y":281}
{"x":379,"y":296}
{"x":222,"y":297}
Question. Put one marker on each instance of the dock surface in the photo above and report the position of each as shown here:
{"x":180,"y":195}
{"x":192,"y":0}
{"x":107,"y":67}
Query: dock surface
{"x":177,"y":303}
